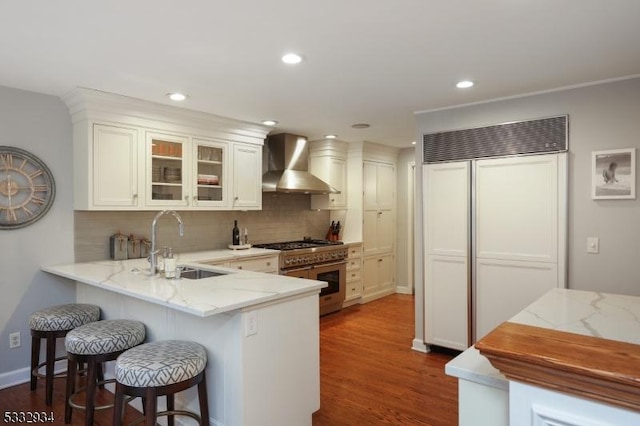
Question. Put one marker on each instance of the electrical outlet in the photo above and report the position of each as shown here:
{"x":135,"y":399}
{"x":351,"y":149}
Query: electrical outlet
{"x":14,"y":340}
{"x":251,"y":324}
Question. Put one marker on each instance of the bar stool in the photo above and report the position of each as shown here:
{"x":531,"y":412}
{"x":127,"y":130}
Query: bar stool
{"x":161,"y":368}
{"x":50,"y":324}
{"x":95,"y":343}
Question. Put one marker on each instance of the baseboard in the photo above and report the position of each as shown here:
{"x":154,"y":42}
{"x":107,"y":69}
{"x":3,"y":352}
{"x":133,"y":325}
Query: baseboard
{"x":378,"y":295}
{"x":419,"y":346}
{"x":23,"y":375}
{"x":404,"y":290}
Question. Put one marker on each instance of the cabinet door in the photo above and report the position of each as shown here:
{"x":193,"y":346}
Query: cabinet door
{"x":168,"y":170}
{"x":332,"y":170}
{"x":115,"y":166}
{"x":247,"y":177}
{"x":378,"y":230}
{"x":379,"y":185}
{"x":386,"y":267}
{"x":446,"y":302}
{"x":210,"y":186}
{"x":386,"y":186}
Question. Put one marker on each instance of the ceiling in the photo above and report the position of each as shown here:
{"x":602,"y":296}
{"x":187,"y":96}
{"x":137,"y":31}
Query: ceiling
{"x":366,"y":61}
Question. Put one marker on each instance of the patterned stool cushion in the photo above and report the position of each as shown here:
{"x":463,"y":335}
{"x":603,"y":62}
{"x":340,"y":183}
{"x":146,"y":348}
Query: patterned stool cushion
{"x":160,"y":363}
{"x":103,"y":337}
{"x":64,"y":317}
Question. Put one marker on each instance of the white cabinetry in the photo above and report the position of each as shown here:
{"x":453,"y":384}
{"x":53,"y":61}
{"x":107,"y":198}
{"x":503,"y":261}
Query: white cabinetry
{"x":328,"y":161}
{"x":354,"y":274}
{"x":133,"y":155}
{"x":111,"y":164}
{"x":267,"y":264}
{"x":247,"y":177}
{"x":378,"y":226}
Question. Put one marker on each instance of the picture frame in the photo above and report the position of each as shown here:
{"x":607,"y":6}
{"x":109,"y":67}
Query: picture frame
{"x":613,"y":174}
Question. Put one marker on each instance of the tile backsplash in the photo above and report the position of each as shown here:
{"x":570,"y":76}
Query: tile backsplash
{"x":283,"y":217}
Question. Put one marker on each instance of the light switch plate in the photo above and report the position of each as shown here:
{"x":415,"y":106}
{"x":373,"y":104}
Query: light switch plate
{"x":593,"y":245}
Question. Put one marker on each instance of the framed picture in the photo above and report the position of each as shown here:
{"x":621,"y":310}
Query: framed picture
{"x":613,"y":174}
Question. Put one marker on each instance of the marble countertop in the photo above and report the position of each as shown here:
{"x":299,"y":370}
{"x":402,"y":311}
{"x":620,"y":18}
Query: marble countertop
{"x":607,"y":316}
{"x":204,"y":297}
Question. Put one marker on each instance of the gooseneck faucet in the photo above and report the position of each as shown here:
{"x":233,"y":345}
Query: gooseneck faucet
{"x":153,"y":256}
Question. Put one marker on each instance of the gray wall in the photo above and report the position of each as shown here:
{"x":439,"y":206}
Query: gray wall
{"x":40,"y":124}
{"x":604,"y":116}
{"x":404,"y":217}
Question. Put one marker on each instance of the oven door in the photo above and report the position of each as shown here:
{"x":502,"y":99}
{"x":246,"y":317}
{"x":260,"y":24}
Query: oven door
{"x":334,"y":274}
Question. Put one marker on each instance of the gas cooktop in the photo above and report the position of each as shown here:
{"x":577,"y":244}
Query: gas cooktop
{"x":297,"y":245}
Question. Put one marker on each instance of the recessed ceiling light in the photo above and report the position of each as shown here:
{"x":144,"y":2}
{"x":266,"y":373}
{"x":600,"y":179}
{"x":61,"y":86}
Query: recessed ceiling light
{"x":464,"y":84}
{"x":177,"y":96}
{"x":292,"y":58}
{"x":269,"y":122}
{"x":361,"y":126}
{"x":413,"y":143}
{"x":331,"y":136}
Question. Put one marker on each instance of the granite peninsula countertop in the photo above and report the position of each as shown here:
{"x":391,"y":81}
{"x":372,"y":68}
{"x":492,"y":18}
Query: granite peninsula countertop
{"x":203,"y":297}
{"x":586,"y":313}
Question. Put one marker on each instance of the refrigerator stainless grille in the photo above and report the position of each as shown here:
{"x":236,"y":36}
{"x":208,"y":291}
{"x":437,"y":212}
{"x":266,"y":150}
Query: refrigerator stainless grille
{"x":545,"y":135}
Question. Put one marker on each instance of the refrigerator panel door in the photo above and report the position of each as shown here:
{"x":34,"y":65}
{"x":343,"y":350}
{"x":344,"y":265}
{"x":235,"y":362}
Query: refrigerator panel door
{"x":446,"y":208}
{"x":446,"y":322}
{"x":504,"y":288}
{"x":446,"y":248}
{"x":517,"y":208}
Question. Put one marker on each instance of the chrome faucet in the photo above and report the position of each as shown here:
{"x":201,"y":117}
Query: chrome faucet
{"x":153,"y":256}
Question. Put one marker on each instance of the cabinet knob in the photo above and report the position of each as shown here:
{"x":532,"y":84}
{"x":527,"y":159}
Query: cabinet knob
{"x":135,"y":196}
{"x":379,"y":260}
{"x":240,"y":267}
{"x":268,"y":263}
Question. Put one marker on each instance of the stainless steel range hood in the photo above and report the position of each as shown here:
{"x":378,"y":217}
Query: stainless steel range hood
{"x":287,"y":167}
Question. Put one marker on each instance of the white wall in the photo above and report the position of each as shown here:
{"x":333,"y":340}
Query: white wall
{"x":603,"y":116}
{"x":40,"y":124}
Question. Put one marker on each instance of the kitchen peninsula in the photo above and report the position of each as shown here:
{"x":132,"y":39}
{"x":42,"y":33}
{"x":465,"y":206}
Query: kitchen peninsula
{"x":260,"y":330}
{"x":569,"y":358}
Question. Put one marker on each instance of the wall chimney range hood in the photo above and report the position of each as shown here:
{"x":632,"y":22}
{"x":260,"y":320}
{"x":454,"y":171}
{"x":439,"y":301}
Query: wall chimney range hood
{"x":287,"y":167}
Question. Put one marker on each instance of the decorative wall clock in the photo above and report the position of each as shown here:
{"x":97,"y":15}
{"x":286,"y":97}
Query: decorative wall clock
{"x":27,"y":188}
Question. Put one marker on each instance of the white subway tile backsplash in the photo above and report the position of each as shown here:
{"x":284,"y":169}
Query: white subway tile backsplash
{"x":283,"y":217}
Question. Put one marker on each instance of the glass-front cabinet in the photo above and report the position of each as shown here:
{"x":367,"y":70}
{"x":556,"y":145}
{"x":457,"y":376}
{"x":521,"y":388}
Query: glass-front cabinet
{"x":167,"y":174}
{"x":210,"y":186}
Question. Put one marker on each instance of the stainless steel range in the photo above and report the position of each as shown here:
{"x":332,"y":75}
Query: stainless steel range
{"x":320,"y":260}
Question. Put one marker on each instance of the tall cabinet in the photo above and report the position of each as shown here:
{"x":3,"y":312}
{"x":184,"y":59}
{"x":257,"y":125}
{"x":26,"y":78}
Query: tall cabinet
{"x":370,"y":216}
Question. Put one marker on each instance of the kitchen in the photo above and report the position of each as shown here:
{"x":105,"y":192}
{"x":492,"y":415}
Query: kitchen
{"x":53,"y":244}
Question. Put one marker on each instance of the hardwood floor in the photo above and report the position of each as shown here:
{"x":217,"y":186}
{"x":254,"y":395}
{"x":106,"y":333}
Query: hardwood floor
{"x":369,"y":374}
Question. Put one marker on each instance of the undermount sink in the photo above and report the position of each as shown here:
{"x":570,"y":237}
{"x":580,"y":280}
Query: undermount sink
{"x":196,"y":274}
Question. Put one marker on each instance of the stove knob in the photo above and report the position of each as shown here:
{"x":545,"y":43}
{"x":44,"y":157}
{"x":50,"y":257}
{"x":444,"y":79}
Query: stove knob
{"x":287,"y":261}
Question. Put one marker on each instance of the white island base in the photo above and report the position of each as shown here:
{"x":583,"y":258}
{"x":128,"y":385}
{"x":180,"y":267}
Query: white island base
{"x":268,"y":378}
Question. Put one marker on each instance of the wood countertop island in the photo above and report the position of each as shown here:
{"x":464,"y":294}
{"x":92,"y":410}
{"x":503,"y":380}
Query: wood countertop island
{"x":571,"y":358}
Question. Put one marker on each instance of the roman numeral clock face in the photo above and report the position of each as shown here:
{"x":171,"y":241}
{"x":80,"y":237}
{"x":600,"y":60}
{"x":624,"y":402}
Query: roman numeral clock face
{"x":27,"y":188}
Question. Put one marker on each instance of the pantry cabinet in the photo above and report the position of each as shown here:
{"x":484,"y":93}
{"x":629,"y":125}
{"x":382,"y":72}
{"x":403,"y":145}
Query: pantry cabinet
{"x":134,"y":155}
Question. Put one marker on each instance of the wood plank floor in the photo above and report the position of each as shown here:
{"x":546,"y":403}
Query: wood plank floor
{"x":369,"y":374}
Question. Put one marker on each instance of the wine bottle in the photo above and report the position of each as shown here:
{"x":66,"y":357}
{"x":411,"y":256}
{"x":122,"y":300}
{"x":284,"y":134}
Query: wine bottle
{"x":236,"y":233}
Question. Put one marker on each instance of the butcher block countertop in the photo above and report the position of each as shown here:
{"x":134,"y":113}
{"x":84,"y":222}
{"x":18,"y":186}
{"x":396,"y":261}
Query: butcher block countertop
{"x":578,"y":342}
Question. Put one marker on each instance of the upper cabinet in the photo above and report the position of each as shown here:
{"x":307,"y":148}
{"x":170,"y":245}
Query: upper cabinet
{"x":135,"y":155}
{"x":328,"y":161}
{"x":247,"y":177}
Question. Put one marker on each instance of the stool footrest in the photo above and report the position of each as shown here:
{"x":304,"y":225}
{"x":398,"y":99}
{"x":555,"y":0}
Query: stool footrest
{"x":97,"y":407}
{"x":170,"y":413}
